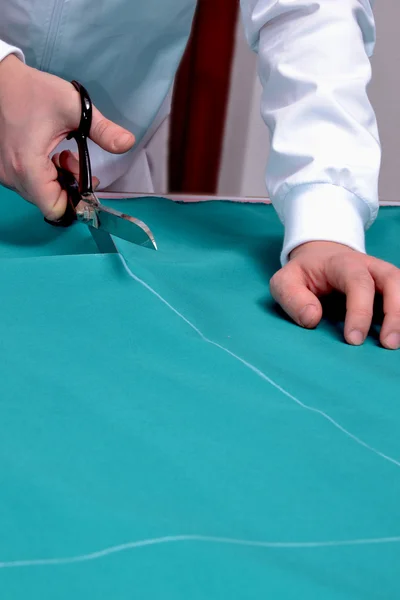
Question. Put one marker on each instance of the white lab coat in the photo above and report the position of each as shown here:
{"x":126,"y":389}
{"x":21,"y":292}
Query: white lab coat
{"x":324,"y":163}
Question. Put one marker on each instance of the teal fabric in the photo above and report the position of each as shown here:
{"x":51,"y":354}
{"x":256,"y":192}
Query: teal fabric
{"x":173,"y":436}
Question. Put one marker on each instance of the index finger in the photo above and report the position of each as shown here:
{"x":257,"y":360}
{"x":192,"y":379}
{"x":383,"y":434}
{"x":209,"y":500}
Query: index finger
{"x":39,"y":185}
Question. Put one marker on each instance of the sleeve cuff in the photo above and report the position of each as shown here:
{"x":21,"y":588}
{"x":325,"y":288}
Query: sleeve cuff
{"x":6,"y":50}
{"x":323,"y":212}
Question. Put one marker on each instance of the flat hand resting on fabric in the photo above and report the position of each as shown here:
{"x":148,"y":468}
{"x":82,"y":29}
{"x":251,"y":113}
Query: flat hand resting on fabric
{"x":318,"y":268}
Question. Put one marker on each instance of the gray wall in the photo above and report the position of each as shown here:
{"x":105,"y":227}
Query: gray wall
{"x":384,"y":93}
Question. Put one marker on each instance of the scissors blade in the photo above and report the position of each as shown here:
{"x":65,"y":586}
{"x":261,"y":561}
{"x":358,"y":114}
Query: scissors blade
{"x":104,"y":241}
{"x":111,"y":222}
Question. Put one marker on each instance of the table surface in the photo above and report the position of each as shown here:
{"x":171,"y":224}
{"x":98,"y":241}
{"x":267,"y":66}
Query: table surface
{"x":166,"y":433}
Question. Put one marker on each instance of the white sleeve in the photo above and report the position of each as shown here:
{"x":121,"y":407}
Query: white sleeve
{"x":6,"y":49}
{"x":325,"y":158}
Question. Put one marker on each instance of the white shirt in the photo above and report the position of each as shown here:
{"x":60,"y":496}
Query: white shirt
{"x":324,"y":163}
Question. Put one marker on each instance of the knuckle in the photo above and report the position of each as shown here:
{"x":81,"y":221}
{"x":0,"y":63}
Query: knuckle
{"x":274,"y":281}
{"x":284,"y":288}
{"x":19,"y":165}
{"x":279,"y":280}
{"x":392,"y":273}
{"x":48,"y":167}
{"x":101,"y":127}
{"x":393,"y":313}
{"x":348,"y":259}
{"x":386,"y":270}
{"x":362,"y":278}
{"x":362,"y":313}
{"x":274,"y":285}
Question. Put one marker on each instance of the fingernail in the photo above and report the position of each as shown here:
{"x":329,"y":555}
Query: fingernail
{"x":307,"y":315}
{"x":124,"y":140}
{"x":392,"y":341}
{"x":356,"y":338}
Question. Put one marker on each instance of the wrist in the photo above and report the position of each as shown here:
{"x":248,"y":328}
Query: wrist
{"x":319,"y":247}
{"x":7,"y":50}
{"x":9,"y":65}
{"x":323,"y":213}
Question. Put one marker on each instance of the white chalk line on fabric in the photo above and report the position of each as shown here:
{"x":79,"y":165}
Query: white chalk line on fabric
{"x":81,"y":558}
{"x":257,"y":371}
{"x":106,"y":552}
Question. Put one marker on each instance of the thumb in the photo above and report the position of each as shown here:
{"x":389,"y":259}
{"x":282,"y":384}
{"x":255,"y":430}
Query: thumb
{"x":288,"y":288}
{"x":110,"y":136}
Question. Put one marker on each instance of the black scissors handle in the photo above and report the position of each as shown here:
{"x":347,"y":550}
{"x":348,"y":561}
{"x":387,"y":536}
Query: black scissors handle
{"x":76,"y":190}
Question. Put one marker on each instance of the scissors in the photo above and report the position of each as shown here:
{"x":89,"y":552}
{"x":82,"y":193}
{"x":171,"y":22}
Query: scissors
{"x":84,"y":206}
